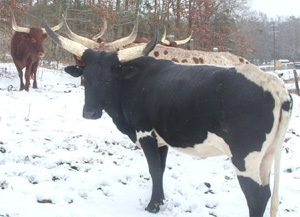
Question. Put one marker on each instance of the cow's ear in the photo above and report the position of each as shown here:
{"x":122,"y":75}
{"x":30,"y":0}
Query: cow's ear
{"x":75,"y":71}
{"x":44,"y":36}
{"x":128,"y":72}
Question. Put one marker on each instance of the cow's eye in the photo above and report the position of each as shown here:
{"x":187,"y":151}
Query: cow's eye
{"x":33,"y":40}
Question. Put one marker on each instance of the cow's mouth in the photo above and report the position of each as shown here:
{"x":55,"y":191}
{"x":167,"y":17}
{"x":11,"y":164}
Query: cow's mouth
{"x":92,"y":114}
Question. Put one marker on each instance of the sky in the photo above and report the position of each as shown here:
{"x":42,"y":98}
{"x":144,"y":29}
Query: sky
{"x":273,"y":8}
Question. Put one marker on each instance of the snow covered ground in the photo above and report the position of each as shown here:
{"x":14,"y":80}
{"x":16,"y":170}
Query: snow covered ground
{"x":55,"y":163}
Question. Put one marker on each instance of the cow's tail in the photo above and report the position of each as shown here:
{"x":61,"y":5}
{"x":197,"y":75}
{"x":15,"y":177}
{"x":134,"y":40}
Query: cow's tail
{"x":285,"y":114}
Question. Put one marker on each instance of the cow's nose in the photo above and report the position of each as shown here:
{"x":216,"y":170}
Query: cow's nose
{"x":41,"y":54}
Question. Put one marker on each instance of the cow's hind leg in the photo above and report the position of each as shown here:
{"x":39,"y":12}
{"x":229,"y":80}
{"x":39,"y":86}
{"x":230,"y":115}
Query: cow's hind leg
{"x":156,"y":158}
{"x":257,"y":195}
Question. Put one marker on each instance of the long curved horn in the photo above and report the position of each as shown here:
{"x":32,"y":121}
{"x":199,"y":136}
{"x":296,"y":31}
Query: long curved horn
{"x":54,"y":28}
{"x":27,"y":30}
{"x":129,"y":39}
{"x":163,"y":38}
{"x":69,"y":45}
{"x":77,"y":38}
{"x":16,"y":27}
{"x":137,"y":51}
{"x":179,"y":42}
{"x":95,"y":37}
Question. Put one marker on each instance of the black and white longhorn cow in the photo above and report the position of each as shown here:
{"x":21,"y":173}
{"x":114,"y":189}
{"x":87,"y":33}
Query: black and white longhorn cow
{"x":241,"y":112}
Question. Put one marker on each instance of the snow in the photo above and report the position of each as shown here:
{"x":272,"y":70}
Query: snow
{"x":55,"y":163}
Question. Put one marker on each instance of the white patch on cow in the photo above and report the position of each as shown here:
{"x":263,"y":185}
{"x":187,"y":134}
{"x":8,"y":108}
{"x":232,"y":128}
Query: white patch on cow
{"x":258,"y":163}
{"x":252,"y":164}
{"x":140,"y":134}
{"x":212,"y":146}
{"x":267,"y":80}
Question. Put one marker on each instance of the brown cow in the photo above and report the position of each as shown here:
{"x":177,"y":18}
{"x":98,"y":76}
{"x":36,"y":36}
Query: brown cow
{"x":26,"y":50}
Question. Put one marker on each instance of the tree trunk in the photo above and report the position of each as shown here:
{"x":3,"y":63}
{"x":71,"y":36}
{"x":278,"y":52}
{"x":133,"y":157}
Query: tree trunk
{"x":177,"y":14}
{"x":116,"y":28}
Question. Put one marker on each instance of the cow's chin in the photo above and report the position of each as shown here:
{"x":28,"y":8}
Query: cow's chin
{"x":93,"y":115}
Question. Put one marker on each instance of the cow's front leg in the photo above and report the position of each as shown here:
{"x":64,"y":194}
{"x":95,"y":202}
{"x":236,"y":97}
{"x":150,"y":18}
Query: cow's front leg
{"x":27,"y":77}
{"x":163,"y":152}
{"x":20,"y":72}
{"x":152,"y":153}
{"x":33,"y":73}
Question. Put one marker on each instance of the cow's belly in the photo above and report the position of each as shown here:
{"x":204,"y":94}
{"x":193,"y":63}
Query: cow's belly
{"x":213,"y":145}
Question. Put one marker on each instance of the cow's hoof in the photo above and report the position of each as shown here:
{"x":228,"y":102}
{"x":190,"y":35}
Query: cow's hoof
{"x":153,"y":209}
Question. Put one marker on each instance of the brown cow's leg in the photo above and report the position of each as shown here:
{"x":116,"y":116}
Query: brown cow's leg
{"x":20,"y":72}
{"x":33,"y":72}
{"x":27,"y":77}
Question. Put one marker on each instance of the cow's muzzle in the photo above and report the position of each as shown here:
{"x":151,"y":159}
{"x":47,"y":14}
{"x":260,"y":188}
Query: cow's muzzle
{"x":41,"y":54}
{"x":91,"y":114}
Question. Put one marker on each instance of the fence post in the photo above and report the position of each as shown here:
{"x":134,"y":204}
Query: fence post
{"x":296,"y":82}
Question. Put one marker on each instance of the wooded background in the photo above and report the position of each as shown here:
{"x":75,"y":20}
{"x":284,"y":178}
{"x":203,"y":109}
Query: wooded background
{"x":229,"y":25}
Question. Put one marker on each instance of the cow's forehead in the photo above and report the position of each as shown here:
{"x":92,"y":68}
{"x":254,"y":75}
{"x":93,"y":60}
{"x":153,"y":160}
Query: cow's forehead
{"x":36,"y":31}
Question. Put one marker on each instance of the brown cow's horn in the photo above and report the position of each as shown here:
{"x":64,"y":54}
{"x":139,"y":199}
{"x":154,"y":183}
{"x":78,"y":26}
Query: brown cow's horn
{"x":129,"y":39}
{"x":179,"y":42}
{"x":27,"y":30}
{"x":102,"y":31}
{"x":137,"y":51}
{"x":69,"y":45}
{"x":16,"y":27}
{"x":163,"y":39}
{"x":77,"y":38}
